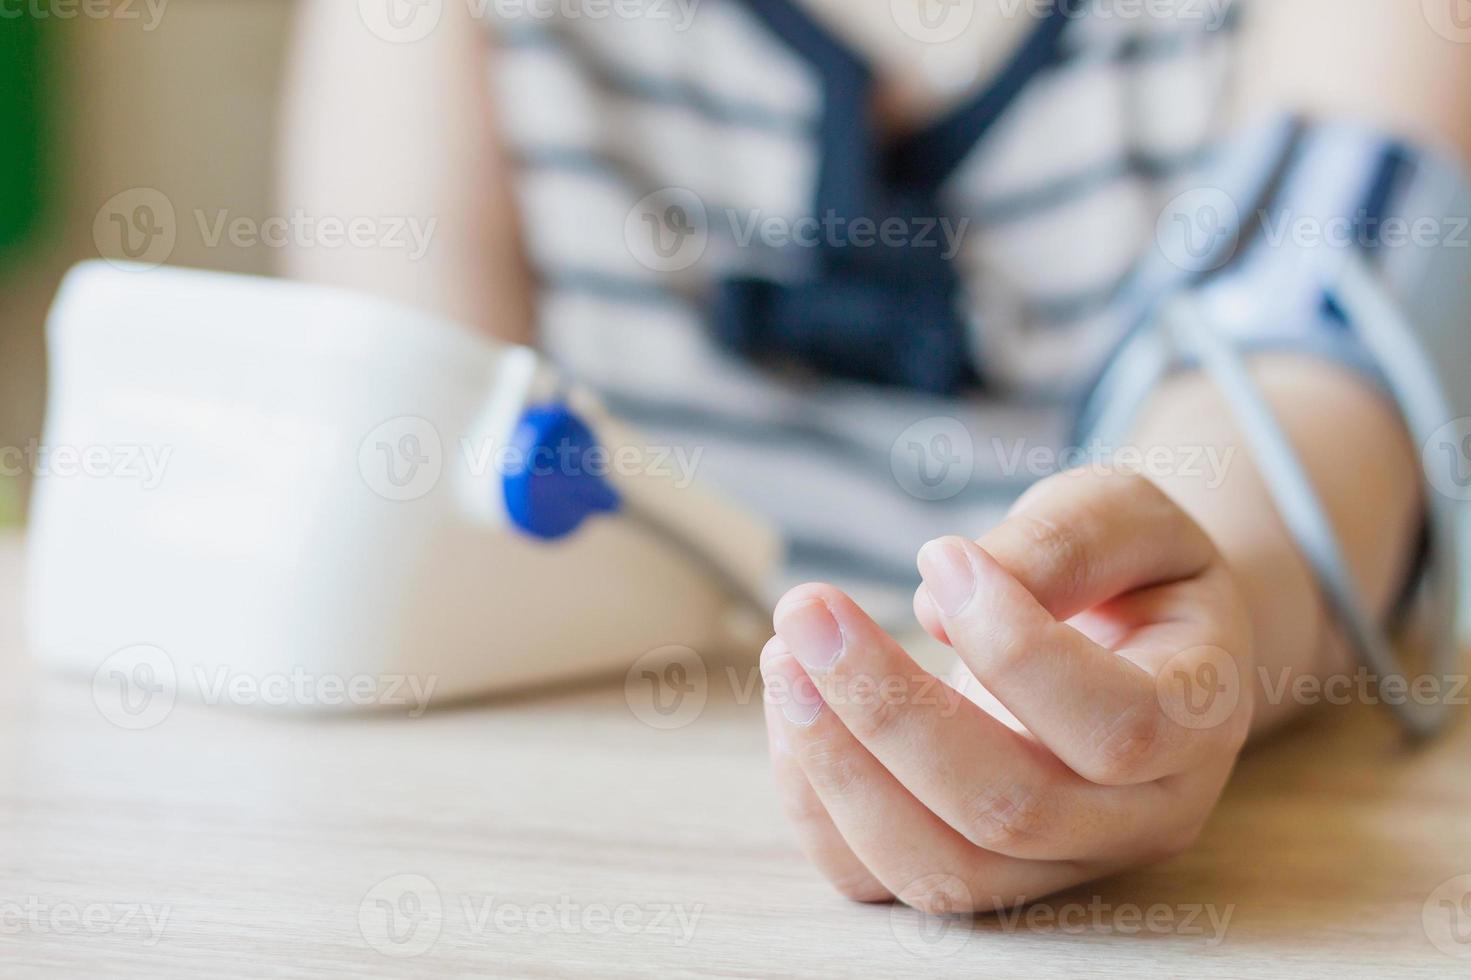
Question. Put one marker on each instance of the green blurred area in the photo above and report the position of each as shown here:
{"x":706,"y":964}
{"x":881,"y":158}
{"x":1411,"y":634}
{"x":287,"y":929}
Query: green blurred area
{"x":22,"y":130}
{"x":23,"y":183}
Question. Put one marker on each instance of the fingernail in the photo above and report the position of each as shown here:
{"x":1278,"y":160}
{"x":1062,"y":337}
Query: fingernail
{"x":788,"y":687}
{"x":812,"y":633}
{"x":947,"y":570}
{"x":802,"y":702}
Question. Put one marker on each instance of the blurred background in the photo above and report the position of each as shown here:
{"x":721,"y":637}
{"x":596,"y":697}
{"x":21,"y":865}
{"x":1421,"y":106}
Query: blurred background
{"x":103,"y":97}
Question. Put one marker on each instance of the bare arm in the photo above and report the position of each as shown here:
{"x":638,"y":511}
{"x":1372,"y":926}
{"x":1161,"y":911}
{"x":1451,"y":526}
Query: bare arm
{"x":404,"y":131}
{"x":1368,"y":484}
{"x":1382,"y":62}
{"x":1385,"y":65}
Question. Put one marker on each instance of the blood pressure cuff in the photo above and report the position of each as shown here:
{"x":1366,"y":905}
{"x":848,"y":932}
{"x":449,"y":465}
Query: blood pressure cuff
{"x":1334,"y":241}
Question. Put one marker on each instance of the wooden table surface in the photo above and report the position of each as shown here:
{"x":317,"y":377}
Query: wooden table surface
{"x":561,"y":835}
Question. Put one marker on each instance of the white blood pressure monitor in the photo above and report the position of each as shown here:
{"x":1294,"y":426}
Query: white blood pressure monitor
{"x":327,"y":485}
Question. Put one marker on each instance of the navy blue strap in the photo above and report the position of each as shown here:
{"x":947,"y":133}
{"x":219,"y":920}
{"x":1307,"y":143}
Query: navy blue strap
{"x":874,"y":312}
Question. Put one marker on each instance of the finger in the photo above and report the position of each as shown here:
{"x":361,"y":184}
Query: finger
{"x":1102,"y":625}
{"x":999,"y":789}
{"x":928,"y":616}
{"x":816,"y":835}
{"x":906,"y":846}
{"x":1096,"y":710}
{"x":1078,"y":539}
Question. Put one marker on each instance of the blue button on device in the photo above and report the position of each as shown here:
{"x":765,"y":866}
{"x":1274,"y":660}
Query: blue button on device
{"x":554,"y":480}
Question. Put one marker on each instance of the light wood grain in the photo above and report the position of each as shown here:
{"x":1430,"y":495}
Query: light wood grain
{"x":262,"y":836}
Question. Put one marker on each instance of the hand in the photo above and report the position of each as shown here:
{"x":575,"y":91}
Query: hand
{"x":1103,"y":620}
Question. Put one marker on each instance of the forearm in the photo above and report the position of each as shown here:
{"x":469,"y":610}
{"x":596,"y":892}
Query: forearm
{"x":1365,"y":473}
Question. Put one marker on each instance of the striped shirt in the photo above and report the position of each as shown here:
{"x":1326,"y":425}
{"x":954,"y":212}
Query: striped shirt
{"x":871,"y":340}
